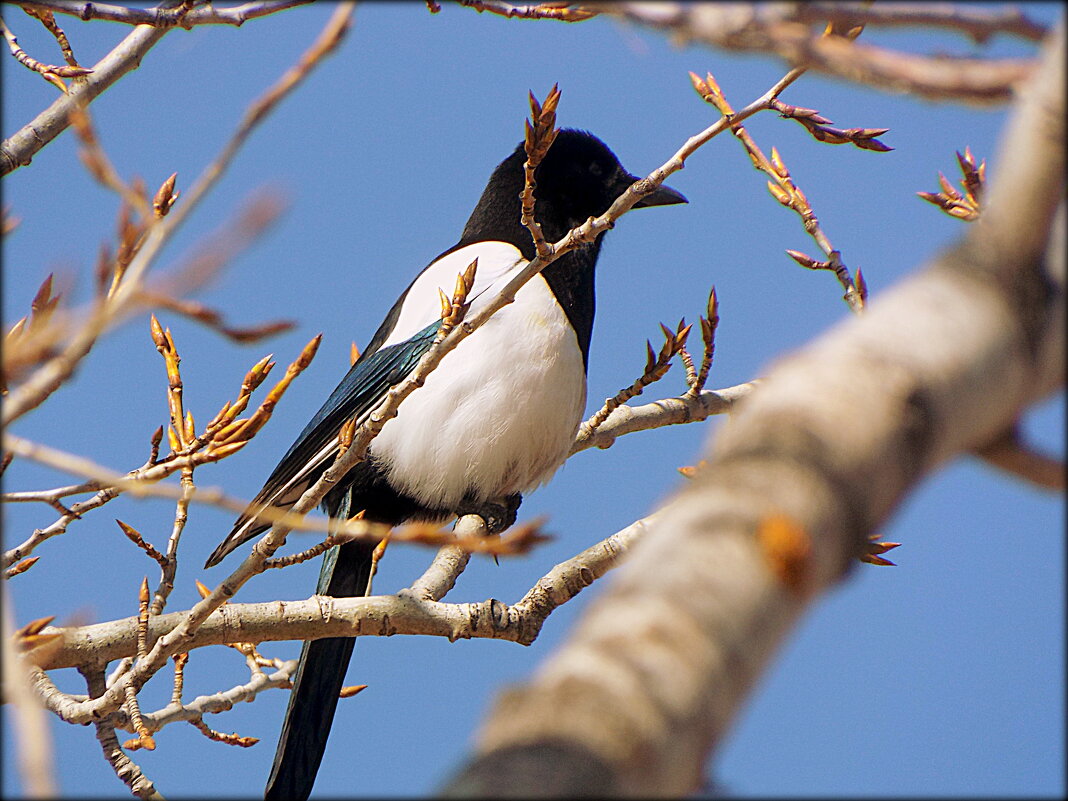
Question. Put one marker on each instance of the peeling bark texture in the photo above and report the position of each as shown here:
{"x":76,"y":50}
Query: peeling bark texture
{"x":841,"y":432}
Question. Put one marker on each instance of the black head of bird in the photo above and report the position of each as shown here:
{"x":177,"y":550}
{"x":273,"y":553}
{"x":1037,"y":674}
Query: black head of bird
{"x":579,"y":178}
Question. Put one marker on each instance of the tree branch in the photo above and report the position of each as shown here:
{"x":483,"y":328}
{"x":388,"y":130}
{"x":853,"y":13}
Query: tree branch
{"x":654,"y":674}
{"x":18,"y":150}
{"x":408,"y":612}
{"x":767,"y":28}
{"x":165,"y":18}
{"x":686,"y":408}
{"x":978,"y":23}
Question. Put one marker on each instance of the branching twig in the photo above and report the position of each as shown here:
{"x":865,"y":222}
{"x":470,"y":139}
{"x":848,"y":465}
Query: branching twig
{"x":539,"y":134}
{"x":214,"y":319}
{"x":564,"y":12}
{"x":686,"y":408}
{"x":319,"y":617}
{"x":965,"y":206}
{"x":782,"y":186}
{"x":48,"y":378}
{"x":19,"y":149}
{"x":125,"y":768}
{"x":187,"y":18}
{"x":49,"y":72}
{"x":656,"y":367}
{"x":49,"y":21}
{"x":303,"y":556}
{"x":229,"y":739}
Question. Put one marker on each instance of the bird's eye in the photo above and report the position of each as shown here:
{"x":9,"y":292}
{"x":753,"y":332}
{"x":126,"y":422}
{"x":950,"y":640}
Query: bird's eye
{"x":595,"y":169}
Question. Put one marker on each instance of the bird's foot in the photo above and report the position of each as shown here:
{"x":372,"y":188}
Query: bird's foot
{"x":498,"y":515}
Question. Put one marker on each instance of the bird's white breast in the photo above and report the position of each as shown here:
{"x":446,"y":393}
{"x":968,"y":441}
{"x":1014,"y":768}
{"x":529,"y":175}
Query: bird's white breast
{"x":499,"y":414}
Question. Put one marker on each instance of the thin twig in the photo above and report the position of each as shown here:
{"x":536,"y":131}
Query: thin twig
{"x":557,"y":11}
{"x":1011,"y":453}
{"x":49,"y":21}
{"x":49,"y":72}
{"x":125,"y":768}
{"x":133,"y":707}
{"x":540,"y":132}
{"x":656,"y":367}
{"x":782,"y":186}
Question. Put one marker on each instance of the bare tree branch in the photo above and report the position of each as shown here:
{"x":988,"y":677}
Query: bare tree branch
{"x":411,"y":611}
{"x":18,"y":150}
{"x":1009,"y":452}
{"x":652,"y":677}
{"x":152,"y":25}
{"x":686,"y":408}
{"x":43,"y":382}
{"x":779,"y":29}
{"x":978,"y":23}
{"x":161,"y":17}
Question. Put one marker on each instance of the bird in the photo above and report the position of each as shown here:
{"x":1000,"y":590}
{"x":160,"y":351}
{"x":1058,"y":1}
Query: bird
{"x":495,"y":419}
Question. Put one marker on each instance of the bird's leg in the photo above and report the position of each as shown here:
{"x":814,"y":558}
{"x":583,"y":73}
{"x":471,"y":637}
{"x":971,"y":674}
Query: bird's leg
{"x":499,"y":515}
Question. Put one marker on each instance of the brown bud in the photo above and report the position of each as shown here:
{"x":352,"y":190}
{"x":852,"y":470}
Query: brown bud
{"x":802,"y":259}
{"x":165,"y":197}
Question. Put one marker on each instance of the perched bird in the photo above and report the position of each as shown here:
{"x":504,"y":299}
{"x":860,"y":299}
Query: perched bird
{"x":494,"y":420}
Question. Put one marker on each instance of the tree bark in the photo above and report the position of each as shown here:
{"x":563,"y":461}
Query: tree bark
{"x":812,"y":463}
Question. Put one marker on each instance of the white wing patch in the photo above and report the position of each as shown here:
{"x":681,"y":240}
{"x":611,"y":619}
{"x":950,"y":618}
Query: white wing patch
{"x":422,"y":306}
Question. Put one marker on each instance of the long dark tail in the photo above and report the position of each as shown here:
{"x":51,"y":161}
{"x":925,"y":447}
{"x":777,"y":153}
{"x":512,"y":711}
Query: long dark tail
{"x":319,"y":678}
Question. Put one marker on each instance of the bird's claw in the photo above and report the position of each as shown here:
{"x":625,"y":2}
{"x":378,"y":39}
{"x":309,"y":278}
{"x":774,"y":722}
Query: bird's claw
{"x":499,"y":516}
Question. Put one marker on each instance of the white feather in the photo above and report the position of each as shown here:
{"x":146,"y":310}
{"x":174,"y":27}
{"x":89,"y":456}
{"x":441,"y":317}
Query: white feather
{"x":499,"y":413}
{"x":422,"y":305}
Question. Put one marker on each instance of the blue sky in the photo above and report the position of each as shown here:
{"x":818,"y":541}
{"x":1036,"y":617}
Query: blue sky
{"x":942,"y":676}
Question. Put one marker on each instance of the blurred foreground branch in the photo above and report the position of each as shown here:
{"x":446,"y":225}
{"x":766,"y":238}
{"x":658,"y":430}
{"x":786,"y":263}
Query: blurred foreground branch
{"x":652,"y":677}
{"x":785,"y":30}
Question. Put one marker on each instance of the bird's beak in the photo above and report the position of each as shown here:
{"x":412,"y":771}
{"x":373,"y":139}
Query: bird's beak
{"x":663,"y":196}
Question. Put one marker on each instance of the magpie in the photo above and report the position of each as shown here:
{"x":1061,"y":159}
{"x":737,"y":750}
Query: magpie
{"x":494,"y":420}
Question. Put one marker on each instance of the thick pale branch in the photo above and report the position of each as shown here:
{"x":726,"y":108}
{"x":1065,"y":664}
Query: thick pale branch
{"x":656,"y":671}
{"x":412,"y":611}
{"x":314,"y":618}
{"x":163,"y":18}
{"x":978,"y":23}
{"x":668,"y":411}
